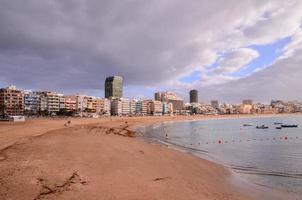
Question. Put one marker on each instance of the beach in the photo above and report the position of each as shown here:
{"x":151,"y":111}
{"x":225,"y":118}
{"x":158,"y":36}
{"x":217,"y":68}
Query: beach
{"x":102,"y":159}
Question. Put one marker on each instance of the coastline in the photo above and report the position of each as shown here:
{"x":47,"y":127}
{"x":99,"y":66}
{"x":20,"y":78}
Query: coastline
{"x":258,"y":191}
{"x":154,"y":172}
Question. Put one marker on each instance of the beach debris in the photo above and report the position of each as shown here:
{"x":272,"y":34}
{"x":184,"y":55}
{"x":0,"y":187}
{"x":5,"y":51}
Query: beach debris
{"x":47,"y":190}
{"x":161,"y":178}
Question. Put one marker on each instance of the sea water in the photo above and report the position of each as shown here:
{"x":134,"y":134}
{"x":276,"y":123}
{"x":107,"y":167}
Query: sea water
{"x":268,"y":157}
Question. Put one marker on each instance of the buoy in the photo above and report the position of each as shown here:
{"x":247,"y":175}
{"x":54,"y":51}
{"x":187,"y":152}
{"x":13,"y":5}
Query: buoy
{"x":219,"y":141}
{"x":285,"y":137}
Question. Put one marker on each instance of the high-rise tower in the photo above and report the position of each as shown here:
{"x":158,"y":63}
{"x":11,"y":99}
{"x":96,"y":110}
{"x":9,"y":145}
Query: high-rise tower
{"x":114,"y":87}
{"x":193,"y":96}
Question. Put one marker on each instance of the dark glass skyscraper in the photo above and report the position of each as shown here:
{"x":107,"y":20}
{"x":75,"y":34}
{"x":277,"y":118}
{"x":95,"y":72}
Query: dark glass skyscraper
{"x":193,"y":96}
{"x":114,"y":87}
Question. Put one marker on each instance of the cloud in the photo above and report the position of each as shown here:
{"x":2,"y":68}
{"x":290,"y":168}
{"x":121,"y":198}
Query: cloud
{"x":72,"y":45}
{"x":235,"y":60}
{"x":281,"y":80}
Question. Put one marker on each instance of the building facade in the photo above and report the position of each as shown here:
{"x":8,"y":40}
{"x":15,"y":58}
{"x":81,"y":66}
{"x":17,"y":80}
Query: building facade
{"x":70,"y":103}
{"x":193,"y":96}
{"x":103,"y":107}
{"x":53,"y":102}
{"x":114,"y":87}
{"x":156,"y":108}
{"x":31,"y":102}
{"x":11,"y":101}
{"x":125,"y":106}
{"x":116,"y":107}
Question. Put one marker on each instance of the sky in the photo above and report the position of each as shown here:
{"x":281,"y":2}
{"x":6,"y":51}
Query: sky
{"x":227,"y":50}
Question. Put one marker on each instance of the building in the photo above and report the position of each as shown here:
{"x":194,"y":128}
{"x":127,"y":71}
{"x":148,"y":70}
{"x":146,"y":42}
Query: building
{"x":156,"y":108}
{"x":142,"y":107}
{"x":103,"y":107}
{"x":247,"y":106}
{"x":157,"y":96}
{"x":166,"y":96}
{"x":125,"y":106}
{"x":70,"y":103}
{"x":31,"y":102}
{"x":116,"y":107}
{"x":215,"y":104}
{"x":81,"y":103}
{"x":114,"y":87}
{"x":53,"y":102}
{"x":133,"y":107}
{"x":42,"y":102}
{"x":193,"y":96}
{"x":178,"y":105}
{"x":165,"y":108}
{"x":61,"y":101}
{"x":89,"y":104}
{"x":172,"y":98}
{"x":11,"y":101}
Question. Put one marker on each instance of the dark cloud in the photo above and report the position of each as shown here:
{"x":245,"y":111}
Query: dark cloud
{"x":72,"y":45}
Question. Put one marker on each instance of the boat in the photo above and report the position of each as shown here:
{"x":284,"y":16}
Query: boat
{"x":289,"y":125}
{"x":277,"y":123}
{"x":248,"y":124}
{"x":279,"y":127}
{"x":262,"y":127}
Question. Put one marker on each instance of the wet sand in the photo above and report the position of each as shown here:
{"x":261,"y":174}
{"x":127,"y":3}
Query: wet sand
{"x":99,"y":159}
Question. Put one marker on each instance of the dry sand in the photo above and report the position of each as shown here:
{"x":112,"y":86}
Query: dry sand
{"x":96,"y":159}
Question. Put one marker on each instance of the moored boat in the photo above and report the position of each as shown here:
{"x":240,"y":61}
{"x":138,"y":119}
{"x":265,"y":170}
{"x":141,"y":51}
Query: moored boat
{"x":249,"y":124}
{"x":289,"y":125}
{"x":262,"y":127}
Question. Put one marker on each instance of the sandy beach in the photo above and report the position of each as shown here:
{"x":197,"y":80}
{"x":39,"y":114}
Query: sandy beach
{"x":100,"y":159}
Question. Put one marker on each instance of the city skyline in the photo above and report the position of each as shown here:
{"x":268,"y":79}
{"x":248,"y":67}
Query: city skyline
{"x":255,"y":54}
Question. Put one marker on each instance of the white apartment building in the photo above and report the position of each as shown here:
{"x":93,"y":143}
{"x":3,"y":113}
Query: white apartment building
{"x":133,"y":107}
{"x":61,"y":101}
{"x":103,"y":106}
{"x":116,"y":107}
{"x":142,"y":107}
{"x":125,"y":106}
{"x":53,"y":102}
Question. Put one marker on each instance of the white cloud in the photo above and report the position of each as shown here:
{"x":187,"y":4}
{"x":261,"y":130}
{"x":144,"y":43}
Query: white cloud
{"x":235,"y":60}
{"x":281,"y":80}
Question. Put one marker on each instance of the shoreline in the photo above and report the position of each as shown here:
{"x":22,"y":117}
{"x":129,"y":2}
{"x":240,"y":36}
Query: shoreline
{"x":203,"y":155}
{"x":91,"y":136}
